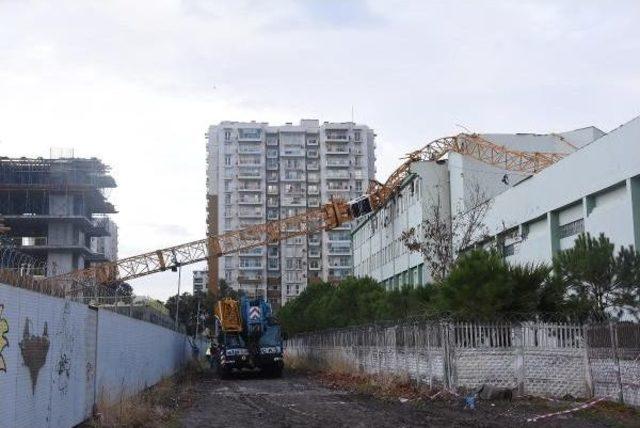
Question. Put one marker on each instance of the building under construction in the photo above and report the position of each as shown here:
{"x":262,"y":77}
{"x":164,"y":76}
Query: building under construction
{"x":54,"y":207}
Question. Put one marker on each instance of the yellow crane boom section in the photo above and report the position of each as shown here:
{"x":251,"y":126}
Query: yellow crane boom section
{"x":327,"y":217}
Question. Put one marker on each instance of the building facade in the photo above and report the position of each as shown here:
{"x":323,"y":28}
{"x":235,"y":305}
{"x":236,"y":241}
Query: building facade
{"x":200,"y":281}
{"x":529,"y":218}
{"x":258,"y":173}
{"x":108,"y":244}
{"x":55,"y":207}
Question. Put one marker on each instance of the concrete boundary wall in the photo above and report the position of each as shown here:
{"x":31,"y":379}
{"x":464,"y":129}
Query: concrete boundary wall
{"x":540,"y":359}
{"x":58,"y":357}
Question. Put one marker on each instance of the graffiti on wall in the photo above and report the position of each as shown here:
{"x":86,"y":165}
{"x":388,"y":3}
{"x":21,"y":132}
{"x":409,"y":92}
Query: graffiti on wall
{"x":66,"y":339}
{"x":4,"y":342}
{"x":34,"y":351}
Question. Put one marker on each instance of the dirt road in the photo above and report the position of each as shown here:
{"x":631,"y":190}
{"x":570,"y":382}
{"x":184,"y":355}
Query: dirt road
{"x":296,"y":400}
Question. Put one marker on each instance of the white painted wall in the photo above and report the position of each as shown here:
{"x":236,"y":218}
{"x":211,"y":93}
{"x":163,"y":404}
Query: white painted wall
{"x":134,"y":354}
{"x":131,"y":355}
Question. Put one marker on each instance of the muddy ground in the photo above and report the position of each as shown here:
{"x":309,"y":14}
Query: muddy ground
{"x":302,"y":400}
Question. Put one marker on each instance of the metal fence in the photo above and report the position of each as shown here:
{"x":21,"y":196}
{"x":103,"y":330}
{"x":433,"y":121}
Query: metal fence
{"x":545,"y":359}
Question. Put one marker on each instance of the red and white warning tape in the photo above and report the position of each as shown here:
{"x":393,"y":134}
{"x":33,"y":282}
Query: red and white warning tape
{"x":564,"y":412}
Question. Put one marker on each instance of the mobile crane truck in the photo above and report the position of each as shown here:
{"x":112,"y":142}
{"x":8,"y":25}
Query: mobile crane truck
{"x":247,"y":338}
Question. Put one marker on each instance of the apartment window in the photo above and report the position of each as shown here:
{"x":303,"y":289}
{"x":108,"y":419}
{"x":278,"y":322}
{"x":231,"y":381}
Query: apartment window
{"x":227,"y":198}
{"x":508,"y":250}
{"x":358,"y":186}
{"x":356,"y":135}
{"x":571,"y":229}
{"x":227,"y":135}
{"x":228,"y":275}
{"x":227,"y":160}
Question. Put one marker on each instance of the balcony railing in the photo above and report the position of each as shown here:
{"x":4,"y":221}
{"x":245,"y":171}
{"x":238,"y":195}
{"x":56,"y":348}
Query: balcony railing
{"x":250,"y":213}
{"x":337,"y":162}
{"x":293,"y":176}
{"x":247,"y":173}
{"x":249,"y":149}
{"x":292,"y":152}
{"x":339,"y":249}
{"x":337,"y":175}
{"x":249,"y":188}
{"x":246,"y":200}
{"x":337,"y":150}
{"x":337,"y":136}
{"x":295,"y":201}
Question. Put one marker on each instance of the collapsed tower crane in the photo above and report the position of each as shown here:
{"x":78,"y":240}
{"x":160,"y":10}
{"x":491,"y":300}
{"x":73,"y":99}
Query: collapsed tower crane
{"x":327,"y":217}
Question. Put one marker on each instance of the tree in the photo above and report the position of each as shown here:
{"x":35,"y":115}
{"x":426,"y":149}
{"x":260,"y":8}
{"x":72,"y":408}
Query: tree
{"x":600,"y":281}
{"x":441,"y":237}
{"x":482,"y":285}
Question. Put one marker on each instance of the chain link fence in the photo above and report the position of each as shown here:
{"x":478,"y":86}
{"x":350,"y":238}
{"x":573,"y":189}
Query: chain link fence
{"x":536,"y":358}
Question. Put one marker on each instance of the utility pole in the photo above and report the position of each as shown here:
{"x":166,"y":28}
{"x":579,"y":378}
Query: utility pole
{"x":198,"y":316}
{"x":178,"y":297}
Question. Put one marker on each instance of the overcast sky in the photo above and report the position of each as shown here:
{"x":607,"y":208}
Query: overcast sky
{"x":136,"y":83}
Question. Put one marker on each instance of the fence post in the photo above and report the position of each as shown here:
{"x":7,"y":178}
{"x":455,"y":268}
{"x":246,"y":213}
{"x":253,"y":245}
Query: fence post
{"x":613,"y":332}
{"x":588,"y":377}
{"x":449,"y":360}
{"x":518,"y":343}
{"x":416,"y":350}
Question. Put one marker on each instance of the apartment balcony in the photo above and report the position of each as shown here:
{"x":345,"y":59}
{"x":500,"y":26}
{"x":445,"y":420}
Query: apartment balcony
{"x":296,"y":152}
{"x":313,"y":166}
{"x":339,"y":250}
{"x":312,"y":153}
{"x":250,"y":174}
{"x":250,"y":214}
{"x":252,"y":266}
{"x":340,"y":137}
{"x":294,"y":201}
{"x":249,"y":201}
{"x":337,"y":150}
{"x":293,"y":177}
{"x":338,"y":189}
{"x":315,"y":191}
{"x":313,"y":178}
{"x":250,"y":149}
{"x":337,"y":163}
{"x":272,"y":217}
{"x":249,"y":134}
{"x":338,"y":175}
{"x":253,"y":164}
{"x":250,"y":279}
{"x":313,"y":203}
{"x":314,"y":253}
{"x":273,"y":203}
{"x":249,"y":189}
{"x":253,"y":252}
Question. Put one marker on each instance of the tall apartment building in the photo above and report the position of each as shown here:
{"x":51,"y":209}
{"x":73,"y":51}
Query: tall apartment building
{"x":54,"y":208}
{"x":258,"y":173}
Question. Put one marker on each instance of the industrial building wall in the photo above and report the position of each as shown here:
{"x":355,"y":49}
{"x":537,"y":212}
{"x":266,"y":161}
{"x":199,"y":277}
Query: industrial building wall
{"x":55,"y":355}
{"x":592,"y":190}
